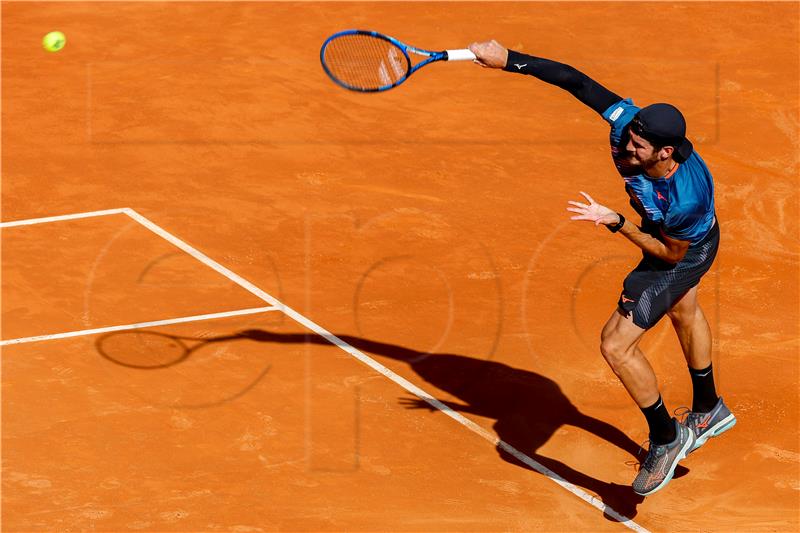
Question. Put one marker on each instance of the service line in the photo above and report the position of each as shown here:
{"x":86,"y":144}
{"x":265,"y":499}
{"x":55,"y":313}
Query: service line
{"x":29,"y":221}
{"x":138,"y":325}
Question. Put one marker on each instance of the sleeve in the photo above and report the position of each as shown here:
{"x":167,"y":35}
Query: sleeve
{"x":618,"y":115}
{"x":564,"y":76}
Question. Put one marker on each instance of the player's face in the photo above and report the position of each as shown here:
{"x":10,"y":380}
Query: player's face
{"x":641,"y":151}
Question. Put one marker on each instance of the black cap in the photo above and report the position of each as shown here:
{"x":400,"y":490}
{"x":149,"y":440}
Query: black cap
{"x":665,"y":125}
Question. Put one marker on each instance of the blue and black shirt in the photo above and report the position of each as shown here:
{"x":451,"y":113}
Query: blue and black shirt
{"x":680,"y":204}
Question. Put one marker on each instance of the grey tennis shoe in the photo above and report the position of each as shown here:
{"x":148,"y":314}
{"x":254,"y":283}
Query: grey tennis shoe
{"x":710,"y":424}
{"x":661,"y":461}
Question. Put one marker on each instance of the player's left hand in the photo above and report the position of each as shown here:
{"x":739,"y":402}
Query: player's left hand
{"x":593,"y":212}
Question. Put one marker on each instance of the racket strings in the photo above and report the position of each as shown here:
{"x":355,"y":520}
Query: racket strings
{"x":365,"y":62}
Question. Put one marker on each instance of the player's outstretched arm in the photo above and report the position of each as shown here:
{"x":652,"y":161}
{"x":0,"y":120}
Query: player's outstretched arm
{"x":491,"y":54}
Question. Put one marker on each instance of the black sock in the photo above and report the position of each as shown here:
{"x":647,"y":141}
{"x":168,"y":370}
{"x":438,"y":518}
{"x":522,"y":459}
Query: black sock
{"x":662,"y":427}
{"x":705,"y":395}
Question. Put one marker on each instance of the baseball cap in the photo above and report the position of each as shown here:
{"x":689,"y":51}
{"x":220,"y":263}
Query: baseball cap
{"x":665,"y":125}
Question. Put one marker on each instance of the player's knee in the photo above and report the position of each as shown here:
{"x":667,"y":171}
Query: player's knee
{"x":615,"y":352}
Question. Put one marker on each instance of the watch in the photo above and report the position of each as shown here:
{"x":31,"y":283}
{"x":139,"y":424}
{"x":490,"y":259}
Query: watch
{"x":613,"y":228}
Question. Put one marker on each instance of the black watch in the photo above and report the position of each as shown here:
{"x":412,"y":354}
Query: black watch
{"x":613,"y":228}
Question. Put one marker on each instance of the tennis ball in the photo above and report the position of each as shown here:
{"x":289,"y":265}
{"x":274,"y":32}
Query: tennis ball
{"x":54,"y":41}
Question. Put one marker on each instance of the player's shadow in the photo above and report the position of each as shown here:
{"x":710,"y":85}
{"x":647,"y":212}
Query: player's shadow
{"x":528,"y":407}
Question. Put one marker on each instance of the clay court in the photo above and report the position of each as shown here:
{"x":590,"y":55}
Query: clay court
{"x":266,"y":303}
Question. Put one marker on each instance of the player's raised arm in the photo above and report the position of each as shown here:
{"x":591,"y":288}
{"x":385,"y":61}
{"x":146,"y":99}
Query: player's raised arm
{"x":491,"y":54}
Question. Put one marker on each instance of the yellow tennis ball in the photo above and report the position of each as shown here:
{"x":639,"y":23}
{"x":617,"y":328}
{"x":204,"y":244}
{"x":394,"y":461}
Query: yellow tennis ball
{"x":54,"y":41}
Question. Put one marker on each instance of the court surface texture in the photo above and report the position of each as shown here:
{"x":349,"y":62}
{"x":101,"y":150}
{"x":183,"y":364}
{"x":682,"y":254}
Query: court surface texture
{"x":236,"y":297}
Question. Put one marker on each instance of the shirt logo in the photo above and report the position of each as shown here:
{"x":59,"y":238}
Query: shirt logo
{"x":615,"y":115}
{"x":660,"y":196}
{"x":519,"y":67}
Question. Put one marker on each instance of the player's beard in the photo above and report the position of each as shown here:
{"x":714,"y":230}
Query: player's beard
{"x":646,"y":164}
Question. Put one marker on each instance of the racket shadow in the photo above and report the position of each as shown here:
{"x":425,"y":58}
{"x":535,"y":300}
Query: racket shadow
{"x":528,"y":408}
{"x":152,"y":350}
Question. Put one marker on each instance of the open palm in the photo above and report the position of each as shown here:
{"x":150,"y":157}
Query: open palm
{"x":593,"y":212}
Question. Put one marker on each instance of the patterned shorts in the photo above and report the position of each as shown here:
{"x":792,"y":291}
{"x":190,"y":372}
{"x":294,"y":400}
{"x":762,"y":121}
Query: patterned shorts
{"x":653,"y":287}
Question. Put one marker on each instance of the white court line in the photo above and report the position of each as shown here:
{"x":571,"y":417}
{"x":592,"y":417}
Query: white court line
{"x":168,"y":321}
{"x":74,"y":216}
{"x":407,"y":385}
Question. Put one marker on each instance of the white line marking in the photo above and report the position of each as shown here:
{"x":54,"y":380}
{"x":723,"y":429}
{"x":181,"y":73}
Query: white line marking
{"x":68,"y":334}
{"x":461,"y":419}
{"x":203,"y":258}
{"x":407,"y":385}
{"x":74,"y":216}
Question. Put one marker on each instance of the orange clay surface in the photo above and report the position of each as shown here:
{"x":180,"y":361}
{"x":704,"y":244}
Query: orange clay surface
{"x":427,"y":220}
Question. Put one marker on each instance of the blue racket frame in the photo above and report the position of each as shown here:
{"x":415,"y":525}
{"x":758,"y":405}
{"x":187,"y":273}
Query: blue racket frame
{"x":431,"y":57}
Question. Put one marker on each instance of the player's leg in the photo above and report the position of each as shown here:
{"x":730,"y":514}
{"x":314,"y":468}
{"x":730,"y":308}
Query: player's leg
{"x":642,"y":304}
{"x":669,"y":440}
{"x":709,"y":416}
{"x":694,"y":335}
{"x":692,"y":329}
{"x":619,"y":344}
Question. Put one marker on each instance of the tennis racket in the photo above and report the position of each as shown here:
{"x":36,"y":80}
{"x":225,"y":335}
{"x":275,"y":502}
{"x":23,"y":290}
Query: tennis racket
{"x":368,"y":61}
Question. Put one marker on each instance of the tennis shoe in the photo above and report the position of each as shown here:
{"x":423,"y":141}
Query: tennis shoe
{"x":661,"y":461}
{"x":710,"y":424}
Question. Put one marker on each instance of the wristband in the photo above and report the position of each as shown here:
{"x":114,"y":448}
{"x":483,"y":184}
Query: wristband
{"x":613,"y":228}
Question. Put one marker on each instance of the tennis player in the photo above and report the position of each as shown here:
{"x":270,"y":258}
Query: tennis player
{"x":671,"y":189}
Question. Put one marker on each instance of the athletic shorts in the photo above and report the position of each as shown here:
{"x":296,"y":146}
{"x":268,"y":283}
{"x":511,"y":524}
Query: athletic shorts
{"x":653,"y":287}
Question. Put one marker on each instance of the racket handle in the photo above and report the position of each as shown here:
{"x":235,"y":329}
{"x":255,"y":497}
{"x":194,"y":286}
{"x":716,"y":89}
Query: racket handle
{"x":460,"y":55}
